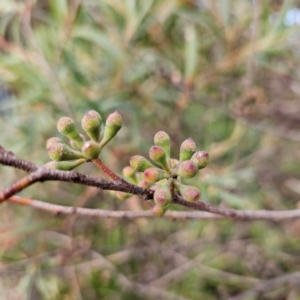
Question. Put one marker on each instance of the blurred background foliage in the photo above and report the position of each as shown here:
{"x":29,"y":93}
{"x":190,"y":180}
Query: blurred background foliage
{"x":225,"y":73}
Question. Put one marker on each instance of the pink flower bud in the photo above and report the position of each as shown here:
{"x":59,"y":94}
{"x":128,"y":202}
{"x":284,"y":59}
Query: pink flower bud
{"x":187,"y":169}
{"x":189,"y":193}
{"x":201,"y":159}
{"x":128,"y":171}
{"x":154,"y":174}
{"x":162,"y":196}
{"x":158,"y":155}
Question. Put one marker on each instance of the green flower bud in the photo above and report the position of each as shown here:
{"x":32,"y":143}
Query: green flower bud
{"x":162,"y":196}
{"x":129,"y":173}
{"x":77,"y":145}
{"x":60,"y":152}
{"x":154,"y":174}
{"x":187,"y":169}
{"x":65,"y":165}
{"x":159,"y":210}
{"x":67,"y":127}
{"x":189,"y":193}
{"x":162,"y":139}
{"x":201,"y":159}
{"x":112,"y":125}
{"x":158,"y":155}
{"x":91,"y":149}
{"x":187,"y":149}
{"x":91,"y":124}
{"x":139,"y":163}
{"x":52,"y":141}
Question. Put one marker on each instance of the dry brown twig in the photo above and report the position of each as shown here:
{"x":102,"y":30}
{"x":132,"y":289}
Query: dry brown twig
{"x":40,"y":174}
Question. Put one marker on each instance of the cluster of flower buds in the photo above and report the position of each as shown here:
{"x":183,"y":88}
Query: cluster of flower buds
{"x":166,"y":176}
{"x":66,"y":157}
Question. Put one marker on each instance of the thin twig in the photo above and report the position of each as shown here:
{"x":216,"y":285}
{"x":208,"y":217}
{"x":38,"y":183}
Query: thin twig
{"x":100,"y":213}
{"x":185,"y":215}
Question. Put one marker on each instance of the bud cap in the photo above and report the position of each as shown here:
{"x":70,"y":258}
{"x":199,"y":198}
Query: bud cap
{"x":162,"y":139}
{"x":187,"y":149}
{"x":91,"y":124}
{"x":201,"y":159}
{"x":67,"y":127}
{"x":190,"y":193}
{"x":158,"y":155}
{"x":112,"y":125}
{"x":187,"y":169}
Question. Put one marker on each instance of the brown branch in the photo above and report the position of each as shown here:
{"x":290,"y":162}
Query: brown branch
{"x":45,"y":174}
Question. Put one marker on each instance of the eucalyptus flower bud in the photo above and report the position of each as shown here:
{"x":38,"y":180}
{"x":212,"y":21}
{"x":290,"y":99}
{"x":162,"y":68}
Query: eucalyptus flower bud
{"x":67,"y":127}
{"x":187,"y":149}
{"x":162,"y":196}
{"x":159,"y":210}
{"x":139,"y":163}
{"x":65,"y":165}
{"x":154,"y":174}
{"x":129,"y":172}
{"x":187,"y":169}
{"x":158,"y":155}
{"x":91,"y":149}
{"x":52,"y":141}
{"x":201,"y":159}
{"x":112,"y":125}
{"x":162,"y":139}
{"x":91,"y":124}
{"x":60,"y":152}
{"x":190,"y":193}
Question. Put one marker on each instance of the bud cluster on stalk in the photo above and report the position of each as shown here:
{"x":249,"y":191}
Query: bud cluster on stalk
{"x":65,"y":157}
{"x":166,"y":174}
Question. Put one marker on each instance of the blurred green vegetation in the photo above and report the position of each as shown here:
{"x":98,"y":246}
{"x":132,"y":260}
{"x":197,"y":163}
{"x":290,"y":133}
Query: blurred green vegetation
{"x":225,"y":73}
